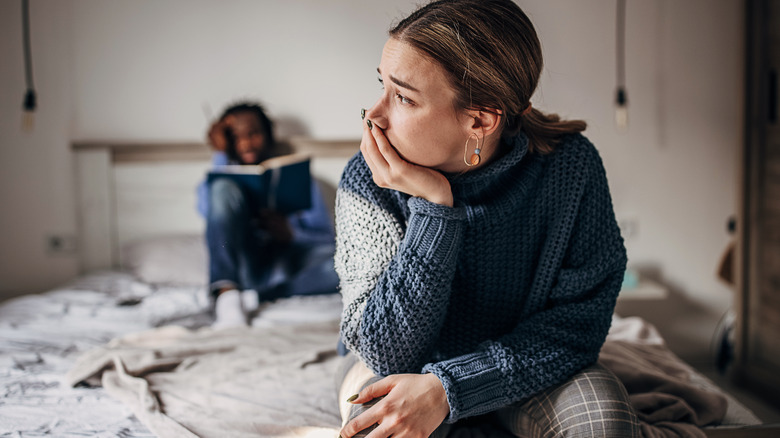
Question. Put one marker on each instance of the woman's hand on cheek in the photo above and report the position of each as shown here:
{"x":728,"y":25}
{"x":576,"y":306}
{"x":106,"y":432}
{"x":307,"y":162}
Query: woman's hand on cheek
{"x":414,"y":406}
{"x":391,"y":171}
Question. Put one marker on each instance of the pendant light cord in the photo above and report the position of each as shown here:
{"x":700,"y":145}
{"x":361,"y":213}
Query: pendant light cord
{"x":29,"y":96}
{"x":620,"y":53}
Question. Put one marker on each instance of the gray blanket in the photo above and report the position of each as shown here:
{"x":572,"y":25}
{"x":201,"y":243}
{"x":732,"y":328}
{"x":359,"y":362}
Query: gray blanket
{"x":278,"y":382}
{"x":659,"y":385}
{"x":259,"y":382}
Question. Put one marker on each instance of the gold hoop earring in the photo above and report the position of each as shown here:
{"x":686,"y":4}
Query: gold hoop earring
{"x":475,"y":158}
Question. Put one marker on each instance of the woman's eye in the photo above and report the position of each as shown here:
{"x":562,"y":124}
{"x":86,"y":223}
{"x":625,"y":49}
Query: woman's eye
{"x":403,"y":99}
{"x":381,"y":82}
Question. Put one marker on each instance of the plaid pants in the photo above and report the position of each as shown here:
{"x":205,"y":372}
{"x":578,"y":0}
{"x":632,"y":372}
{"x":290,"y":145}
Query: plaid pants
{"x":593,"y":403}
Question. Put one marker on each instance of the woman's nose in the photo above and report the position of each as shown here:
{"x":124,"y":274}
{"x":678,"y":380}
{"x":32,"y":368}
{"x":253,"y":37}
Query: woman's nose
{"x":377,"y":114}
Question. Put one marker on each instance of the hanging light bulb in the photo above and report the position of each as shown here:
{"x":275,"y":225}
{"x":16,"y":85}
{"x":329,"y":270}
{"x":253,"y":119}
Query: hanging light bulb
{"x":621,"y":109}
{"x":28,"y":117}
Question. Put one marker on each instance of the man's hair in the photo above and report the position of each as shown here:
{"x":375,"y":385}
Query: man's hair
{"x":265,"y":123}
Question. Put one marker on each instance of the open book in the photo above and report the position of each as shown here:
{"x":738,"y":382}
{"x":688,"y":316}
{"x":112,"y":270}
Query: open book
{"x":280,"y":183}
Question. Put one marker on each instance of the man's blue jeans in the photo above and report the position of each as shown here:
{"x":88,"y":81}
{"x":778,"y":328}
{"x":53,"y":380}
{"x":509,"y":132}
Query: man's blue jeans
{"x":243,"y":256}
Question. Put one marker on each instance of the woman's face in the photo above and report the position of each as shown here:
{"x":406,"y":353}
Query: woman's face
{"x":416,"y":109}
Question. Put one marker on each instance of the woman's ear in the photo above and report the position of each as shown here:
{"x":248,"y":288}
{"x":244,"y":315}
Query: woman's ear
{"x":486,"y":121}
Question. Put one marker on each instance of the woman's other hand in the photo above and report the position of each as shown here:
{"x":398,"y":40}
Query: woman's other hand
{"x":391,"y":171}
{"x":414,"y":406}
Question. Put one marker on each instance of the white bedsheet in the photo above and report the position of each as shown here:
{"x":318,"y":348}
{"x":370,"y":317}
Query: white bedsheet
{"x":41,"y":336}
{"x":241,"y":382}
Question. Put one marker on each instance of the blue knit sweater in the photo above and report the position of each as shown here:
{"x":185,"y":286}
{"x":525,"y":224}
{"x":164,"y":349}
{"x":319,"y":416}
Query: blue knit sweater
{"x":507,"y":293}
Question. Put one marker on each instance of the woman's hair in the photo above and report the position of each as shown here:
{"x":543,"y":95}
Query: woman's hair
{"x":493,"y":57}
{"x":265,"y":123}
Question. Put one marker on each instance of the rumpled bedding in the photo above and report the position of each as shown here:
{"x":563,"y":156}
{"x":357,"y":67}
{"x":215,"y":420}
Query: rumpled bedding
{"x":243,"y":382}
{"x":661,"y":392}
{"x":154,"y":361}
{"x":273,"y":382}
{"x":40,"y":338}
{"x":670,"y":398}
{"x":43,"y":335}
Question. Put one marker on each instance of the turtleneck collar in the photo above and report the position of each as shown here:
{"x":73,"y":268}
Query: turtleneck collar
{"x":472,"y":182}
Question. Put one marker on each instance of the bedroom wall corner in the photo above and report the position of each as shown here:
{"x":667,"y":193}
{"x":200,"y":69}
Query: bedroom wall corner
{"x":36,"y":172}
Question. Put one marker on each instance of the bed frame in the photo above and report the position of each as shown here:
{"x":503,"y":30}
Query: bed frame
{"x":131,"y":191}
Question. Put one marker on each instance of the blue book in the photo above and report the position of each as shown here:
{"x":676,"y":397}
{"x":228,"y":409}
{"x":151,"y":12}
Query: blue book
{"x":282,"y":184}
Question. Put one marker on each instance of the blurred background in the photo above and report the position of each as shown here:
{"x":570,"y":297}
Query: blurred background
{"x":160,"y":70}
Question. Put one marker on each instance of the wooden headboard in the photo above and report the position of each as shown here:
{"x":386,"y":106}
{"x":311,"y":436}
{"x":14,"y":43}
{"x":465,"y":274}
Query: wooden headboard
{"x":131,"y":191}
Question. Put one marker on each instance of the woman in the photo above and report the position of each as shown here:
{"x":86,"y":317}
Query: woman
{"x":477,"y":247}
{"x":266,"y":253}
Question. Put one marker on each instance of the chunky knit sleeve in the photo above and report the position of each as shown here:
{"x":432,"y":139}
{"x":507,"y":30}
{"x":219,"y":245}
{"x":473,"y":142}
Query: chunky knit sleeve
{"x":568,"y":311}
{"x":396,"y":258}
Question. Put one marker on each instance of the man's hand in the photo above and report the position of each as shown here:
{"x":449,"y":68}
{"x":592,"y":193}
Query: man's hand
{"x":219,"y":134}
{"x":276,"y":225}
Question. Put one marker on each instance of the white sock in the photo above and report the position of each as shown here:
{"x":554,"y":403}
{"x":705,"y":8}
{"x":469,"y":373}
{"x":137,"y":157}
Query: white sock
{"x":250,"y":300}
{"x":229,"y":310}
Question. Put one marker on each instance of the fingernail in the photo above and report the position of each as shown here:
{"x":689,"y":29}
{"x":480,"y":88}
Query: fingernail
{"x":362,"y":113}
{"x":354,"y":397}
{"x":370,"y":125}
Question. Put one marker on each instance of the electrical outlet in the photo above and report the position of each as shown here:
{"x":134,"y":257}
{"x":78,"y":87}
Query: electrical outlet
{"x":61,"y":244}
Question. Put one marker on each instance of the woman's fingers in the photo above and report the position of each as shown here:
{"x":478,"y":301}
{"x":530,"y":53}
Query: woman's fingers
{"x":392,"y":168}
{"x":381,"y":169}
{"x":371,"y":153}
{"x":366,"y":419}
{"x":380,"y":432}
{"x":403,"y":405}
{"x":372,"y":415}
{"x":372,"y":391}
{"x":386,"y":149}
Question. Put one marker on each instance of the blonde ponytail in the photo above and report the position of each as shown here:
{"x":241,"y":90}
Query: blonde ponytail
{"x":544,"y":130}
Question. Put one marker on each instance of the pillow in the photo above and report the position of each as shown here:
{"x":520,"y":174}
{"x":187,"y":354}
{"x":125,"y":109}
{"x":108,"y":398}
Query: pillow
{"x":179,"y":260}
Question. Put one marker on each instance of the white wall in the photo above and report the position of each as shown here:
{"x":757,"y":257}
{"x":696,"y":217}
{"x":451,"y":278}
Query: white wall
{"x":153,"y":70}
{"x":36,"y":177}
{"x":147,"y":69}
{"x":674,"y":171}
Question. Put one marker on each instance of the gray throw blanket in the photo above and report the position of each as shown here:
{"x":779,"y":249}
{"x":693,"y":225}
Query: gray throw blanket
{"x":267,"y":382}
{"x":659,"y":385}
{"x":279,"y":382}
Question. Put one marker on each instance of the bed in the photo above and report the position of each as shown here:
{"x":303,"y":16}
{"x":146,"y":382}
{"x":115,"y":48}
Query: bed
{"x":126,"y":349}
